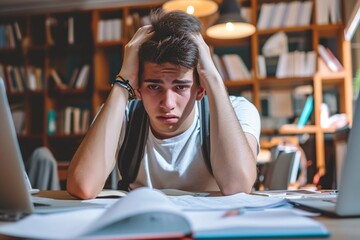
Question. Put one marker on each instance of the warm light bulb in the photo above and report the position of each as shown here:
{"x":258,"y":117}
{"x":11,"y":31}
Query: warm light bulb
{"x":197,"y":8}
{"x":229,"y":26}
{"x":190,"y":10}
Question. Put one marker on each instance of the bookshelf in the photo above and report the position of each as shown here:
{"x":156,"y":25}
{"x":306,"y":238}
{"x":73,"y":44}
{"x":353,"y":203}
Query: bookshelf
{"x":47,"y":44}
{"x":305,"y":37}
{"x":55,"y":105}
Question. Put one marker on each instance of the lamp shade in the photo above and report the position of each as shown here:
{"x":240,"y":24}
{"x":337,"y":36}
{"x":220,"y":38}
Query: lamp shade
{"x":197,"y":8}
{"x":230,"y":24}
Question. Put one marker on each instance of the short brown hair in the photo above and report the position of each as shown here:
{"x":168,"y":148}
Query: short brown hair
{"x":171,"y":42}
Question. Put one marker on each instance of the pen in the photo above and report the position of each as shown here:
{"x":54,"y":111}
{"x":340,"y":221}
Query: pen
{"x":329,"y":191}
{"x":233,"y":212}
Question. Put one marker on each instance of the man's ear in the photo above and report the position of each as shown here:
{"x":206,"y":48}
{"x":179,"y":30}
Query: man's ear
{"x":200,"y":93}
{"x":138,"y":94}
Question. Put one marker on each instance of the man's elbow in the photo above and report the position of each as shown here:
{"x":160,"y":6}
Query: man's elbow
{"x":81,"y":191}
{"x":236,"y":187}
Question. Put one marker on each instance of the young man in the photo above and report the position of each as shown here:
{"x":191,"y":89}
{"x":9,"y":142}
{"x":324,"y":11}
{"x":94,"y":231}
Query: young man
{"x":170,"y":67}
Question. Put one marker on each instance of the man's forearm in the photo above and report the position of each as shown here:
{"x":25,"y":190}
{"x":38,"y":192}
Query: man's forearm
{"x":233,"y":156}
{"x":95,"y":157}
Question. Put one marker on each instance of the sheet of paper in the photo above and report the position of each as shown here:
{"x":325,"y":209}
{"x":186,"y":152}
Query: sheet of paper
{"x":109,"y":193}
{"x":176,"y":192}
{"x":296,"y":194}
{"x":64,"y":225}
{"x":240,"y":200}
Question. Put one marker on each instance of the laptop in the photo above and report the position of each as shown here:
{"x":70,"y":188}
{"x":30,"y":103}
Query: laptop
{"x":346,"y":204}
{"x":15,"y":195}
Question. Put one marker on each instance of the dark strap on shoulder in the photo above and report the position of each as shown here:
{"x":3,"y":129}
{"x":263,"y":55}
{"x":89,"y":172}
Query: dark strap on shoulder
{"x":204,"y":112}
{"x":132,"y":149}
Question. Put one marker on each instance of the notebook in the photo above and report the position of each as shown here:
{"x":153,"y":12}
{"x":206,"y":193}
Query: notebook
{"x":347,"y":202}
{"x":16,"y":200}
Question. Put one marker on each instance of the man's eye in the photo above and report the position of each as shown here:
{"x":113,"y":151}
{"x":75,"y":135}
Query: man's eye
{"x":153,"y":87}
{"x":182,"y":87}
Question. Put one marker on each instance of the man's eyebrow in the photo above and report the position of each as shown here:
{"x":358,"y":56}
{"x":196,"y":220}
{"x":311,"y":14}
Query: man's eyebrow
{"x":176,"y":81}
{"x":182,"y":81}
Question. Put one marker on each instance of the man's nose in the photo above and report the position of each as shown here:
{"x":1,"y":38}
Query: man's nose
{"x":167,"y":102}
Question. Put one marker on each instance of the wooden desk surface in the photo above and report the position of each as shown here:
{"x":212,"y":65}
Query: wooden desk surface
{"x":344,"y":229}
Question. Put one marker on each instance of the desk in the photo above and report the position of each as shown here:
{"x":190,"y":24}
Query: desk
{"x":348,"y":228}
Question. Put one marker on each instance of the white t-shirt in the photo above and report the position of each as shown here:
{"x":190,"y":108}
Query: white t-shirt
{"x":178,"y":162}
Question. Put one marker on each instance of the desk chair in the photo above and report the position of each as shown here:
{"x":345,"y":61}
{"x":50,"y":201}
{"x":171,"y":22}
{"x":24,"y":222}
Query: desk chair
{"x":282,"y":170}
{"x":42,"y":170}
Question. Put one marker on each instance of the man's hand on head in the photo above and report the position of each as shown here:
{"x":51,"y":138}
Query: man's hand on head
{"x":130,"y":67}
{"x":206,"y":67}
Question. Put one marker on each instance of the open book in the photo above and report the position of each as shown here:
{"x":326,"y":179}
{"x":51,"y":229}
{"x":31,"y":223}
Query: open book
{"x":147,"y":213}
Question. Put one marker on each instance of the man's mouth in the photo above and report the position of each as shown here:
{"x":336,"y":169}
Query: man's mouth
{"x":168,"y":119}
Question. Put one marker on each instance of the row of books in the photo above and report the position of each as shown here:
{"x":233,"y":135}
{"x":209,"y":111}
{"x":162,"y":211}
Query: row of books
{"x":328,"y":11}
{"x":295,"y":64}
{"x":67,"y":30}
{"x":285,"y":14}
{"x":69,"y":120}
{"x":78,"y":80}
{"x":58,"y":31}
{"x":231,"y":67}
{"x":9,"y":35}
{"x":329,"y":58}
{"x":19,"y":79}
{"x":109,"y":30}
{"x":279,"y":107}
{"x":289,"y":64}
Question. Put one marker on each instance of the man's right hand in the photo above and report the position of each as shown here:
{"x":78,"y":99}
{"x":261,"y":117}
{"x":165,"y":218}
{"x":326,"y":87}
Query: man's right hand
{"x":130,"y":66}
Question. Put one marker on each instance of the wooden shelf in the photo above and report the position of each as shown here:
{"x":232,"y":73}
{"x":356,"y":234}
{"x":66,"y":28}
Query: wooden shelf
{"x":329,"y":30}
{"x":285,"y":29}
{"x":62,"y":170}
{"x":293,"y":129}
{"x":104,"y":89}
{"x":239,"y":83}
{"x":30,"y":137}
{"x":110,"y":43}
{"x":36,"y":48}
{"x":289,"y":82}
{"x":70,"y":91}
{"x":8,"y":50}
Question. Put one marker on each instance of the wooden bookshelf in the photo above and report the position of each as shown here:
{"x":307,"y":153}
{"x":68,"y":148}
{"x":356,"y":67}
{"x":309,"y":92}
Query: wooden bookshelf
{"x":311,"y":36}
{"x":105,"y":57}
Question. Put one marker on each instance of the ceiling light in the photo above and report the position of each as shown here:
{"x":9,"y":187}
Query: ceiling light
{"x":197,"y":8}
{"x":230,"y":24}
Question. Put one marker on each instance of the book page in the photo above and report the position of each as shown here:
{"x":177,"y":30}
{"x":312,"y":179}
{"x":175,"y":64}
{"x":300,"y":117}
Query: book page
{"x":240,"y":200}
{"x":89,"y":223}
{"x":63,"y":225}
{"x":139,"y":201}
{"x":110,"y":193}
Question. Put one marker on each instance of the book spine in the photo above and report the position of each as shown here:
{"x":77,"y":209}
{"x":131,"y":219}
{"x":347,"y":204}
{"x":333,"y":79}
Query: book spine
{"x":306,"y":112}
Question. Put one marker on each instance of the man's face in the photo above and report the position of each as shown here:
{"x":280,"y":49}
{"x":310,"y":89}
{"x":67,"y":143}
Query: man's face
{"x":169,"y":92}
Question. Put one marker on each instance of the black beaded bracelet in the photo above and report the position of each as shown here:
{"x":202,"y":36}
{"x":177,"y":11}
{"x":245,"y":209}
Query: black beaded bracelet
{"x":125,"y":84}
